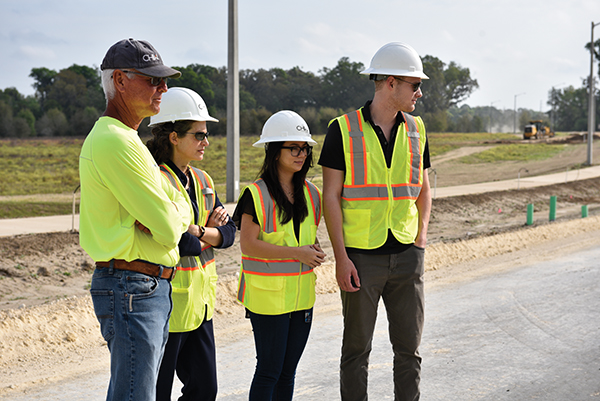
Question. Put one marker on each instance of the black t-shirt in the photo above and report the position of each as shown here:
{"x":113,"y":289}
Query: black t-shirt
{"x":246,"y":205}
{"x":332,"y":156}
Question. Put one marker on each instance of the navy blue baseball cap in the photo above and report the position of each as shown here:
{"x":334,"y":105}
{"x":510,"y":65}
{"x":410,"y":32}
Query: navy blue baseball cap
{"x":139,"y":55}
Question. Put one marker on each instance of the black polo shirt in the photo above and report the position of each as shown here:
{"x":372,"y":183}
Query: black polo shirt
{"x":332,"y":156}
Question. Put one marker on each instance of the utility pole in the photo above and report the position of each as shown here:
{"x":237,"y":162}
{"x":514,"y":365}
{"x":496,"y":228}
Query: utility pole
{"x":591,"y":102}
{"x":233,"y":106}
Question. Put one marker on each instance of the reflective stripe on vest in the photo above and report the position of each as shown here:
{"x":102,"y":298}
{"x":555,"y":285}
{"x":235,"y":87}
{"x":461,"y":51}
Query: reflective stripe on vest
{"x":266,"y":213}
{"x":360,"y":190}
{"x":377,"y":197}
{"x":207,"y":255}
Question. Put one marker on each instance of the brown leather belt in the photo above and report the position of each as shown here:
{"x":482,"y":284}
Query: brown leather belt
{"x":141,"y":267}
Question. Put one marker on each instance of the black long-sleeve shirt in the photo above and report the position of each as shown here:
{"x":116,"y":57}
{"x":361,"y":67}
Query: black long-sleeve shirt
{"x":189,"y":245}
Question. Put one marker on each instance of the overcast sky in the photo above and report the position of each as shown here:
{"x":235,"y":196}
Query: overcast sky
{"x":512,"y":47}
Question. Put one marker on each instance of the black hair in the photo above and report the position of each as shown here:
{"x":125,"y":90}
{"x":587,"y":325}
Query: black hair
{"x":160,"y":145}
{"x":269,"y":174}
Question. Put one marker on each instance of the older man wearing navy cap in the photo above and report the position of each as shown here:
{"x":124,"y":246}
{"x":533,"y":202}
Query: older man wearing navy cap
{"x":121,"y":189}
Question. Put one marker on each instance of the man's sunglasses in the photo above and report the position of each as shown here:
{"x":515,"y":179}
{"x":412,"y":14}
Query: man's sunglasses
{"x":154,"y":81}
{"x":415,"y":85}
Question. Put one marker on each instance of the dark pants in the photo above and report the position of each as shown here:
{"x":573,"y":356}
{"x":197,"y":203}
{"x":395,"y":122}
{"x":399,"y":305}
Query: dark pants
{"x":279,"y":341}
{"x":398,"y":279}
{"x":192,"y":355}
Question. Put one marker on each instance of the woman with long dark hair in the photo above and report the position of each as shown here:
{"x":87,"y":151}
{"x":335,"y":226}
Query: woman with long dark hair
{"x":180,"y":136}
{"x":278,"y":217}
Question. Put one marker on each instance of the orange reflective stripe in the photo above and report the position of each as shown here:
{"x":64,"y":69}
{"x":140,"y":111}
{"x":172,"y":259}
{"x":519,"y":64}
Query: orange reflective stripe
{"x":270,"y":260}
{"x":188,"y":269}
{"x":277,"y":274}
{"x":414,"y":139}
{"x":316,"y":211}
{"x":174,"y":180}
{"x":358,"y":167}
{"x":262,"y":205}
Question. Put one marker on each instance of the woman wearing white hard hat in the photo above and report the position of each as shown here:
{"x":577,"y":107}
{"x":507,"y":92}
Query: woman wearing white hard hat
{"x":278,"y":217}
{"x":180,"y":136}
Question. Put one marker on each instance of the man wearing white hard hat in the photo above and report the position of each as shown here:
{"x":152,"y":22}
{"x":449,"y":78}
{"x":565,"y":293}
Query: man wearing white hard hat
{"x":377,"y":204}
{"x":278,"y":217}
{"x":180,"y":136}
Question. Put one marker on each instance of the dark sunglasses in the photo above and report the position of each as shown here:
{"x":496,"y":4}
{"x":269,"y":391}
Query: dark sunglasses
{"x":200,"y":136}
{"x":154,"y":81}
{"x":415,"y":85}
{"x":296,"y":150}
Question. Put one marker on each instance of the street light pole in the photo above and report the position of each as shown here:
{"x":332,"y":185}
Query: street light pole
{"x":515,"y":125}
{"x":592,"y":106}
{"x":233,"y":105}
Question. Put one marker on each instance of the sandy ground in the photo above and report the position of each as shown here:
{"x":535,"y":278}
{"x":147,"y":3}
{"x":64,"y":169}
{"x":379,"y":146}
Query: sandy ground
{"x":48,"y":330}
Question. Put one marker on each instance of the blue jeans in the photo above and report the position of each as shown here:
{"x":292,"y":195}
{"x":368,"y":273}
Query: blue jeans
{"x":279,"y":341}
{"x":133,"y":310}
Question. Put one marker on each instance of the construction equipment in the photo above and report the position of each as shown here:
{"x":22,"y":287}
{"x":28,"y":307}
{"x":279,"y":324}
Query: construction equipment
{"x":537,"y":129}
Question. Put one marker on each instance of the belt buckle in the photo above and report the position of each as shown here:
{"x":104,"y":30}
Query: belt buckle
{"x":173,"y":273}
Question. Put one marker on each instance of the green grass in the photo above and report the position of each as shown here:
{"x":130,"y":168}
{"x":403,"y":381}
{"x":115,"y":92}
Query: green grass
{"x":16,"y":209}
{"x":515,"y":152}
{"x":39,"y":166}
{"x":50,"y":166}
{"x":440,"y":143}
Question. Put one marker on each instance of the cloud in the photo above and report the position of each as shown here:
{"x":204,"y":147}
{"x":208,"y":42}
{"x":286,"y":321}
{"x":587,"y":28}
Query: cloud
{"x":36,"y":53}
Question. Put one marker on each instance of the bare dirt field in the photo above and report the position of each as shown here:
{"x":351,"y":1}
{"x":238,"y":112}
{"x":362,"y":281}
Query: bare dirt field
{"x":48,"y":330}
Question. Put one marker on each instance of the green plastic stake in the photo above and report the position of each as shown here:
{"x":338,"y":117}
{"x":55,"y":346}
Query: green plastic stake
{"x":584,"y":211}
{"x":530,"y":214}
{"x":552,"y":208}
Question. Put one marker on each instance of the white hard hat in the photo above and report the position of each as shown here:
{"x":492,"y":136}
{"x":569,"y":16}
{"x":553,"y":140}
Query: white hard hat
{"x":181,"y":104}
{"x":398,"y":59}
{"x":283,"y":126}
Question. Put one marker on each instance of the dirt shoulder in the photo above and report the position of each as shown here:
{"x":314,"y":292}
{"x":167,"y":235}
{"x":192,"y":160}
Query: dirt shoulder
{"x":61,"y":338}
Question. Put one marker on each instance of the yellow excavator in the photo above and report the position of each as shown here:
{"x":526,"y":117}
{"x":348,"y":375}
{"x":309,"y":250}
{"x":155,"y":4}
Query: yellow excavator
{"x":537,"y":129}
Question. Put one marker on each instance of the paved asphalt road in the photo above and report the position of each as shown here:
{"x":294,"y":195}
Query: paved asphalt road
{"x":532,"y":333}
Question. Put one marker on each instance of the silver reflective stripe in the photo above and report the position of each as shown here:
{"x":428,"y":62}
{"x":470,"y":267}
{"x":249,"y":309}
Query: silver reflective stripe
{"x":207,"y":191}
{"x":207,"y":255}
{"x":172,"y":179}
{"x":357,"y":143}
{"x":187,"y":262}
{"x":366,"y":192}
{"x":315,"y":201}
{"x":415,"y":150}
{"x":406,"y":192}
{"x":269,"y":206}
{"x":242,"y":287}
{"x":274,"y":268}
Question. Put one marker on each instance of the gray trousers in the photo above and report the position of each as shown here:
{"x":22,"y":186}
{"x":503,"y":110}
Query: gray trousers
{"x":398,"y":279}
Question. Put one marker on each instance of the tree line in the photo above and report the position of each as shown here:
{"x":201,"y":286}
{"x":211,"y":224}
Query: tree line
{"x":69,"y":101}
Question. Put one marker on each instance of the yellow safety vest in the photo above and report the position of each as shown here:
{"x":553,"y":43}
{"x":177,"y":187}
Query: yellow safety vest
{"x":278,"y":286}
{"x":376,"y":198}
{"x":195,"y":284}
